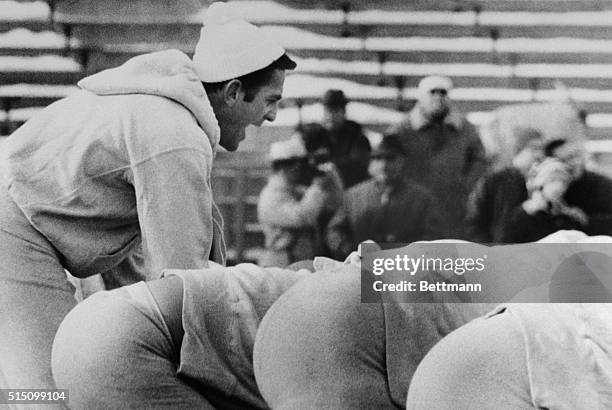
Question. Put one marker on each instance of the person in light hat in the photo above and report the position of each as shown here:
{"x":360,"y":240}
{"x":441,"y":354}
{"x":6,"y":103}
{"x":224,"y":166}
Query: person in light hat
{"x":296,"y":203}
{"x":445,"y":152}
{"x":441,"y":85}
{"x":289,"y":150}
{"x":242,"y":70}
{"x":120,"y":172}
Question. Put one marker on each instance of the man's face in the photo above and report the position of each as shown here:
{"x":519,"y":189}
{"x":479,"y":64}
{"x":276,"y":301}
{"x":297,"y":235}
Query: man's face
{"x":333,"y":116}
{"x":435,"y":103}
{"x":387,"y":168}
{"x":243,"y":113}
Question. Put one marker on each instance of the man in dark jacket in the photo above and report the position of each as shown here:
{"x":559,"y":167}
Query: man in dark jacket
{"x":389,"y":207}
{"x":350,"y":149}
{"x":444,"y":151}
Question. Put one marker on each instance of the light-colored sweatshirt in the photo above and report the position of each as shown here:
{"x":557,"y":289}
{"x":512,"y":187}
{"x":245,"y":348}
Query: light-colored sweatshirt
{"x":127,"y":158}
{"x":289,"y":215}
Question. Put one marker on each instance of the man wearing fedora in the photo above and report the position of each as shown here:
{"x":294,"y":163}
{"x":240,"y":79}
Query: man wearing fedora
{"x":445,"y":152}
{"x":389,"y":207}
{"x":121,"y":165}
{"x":350,"y":148}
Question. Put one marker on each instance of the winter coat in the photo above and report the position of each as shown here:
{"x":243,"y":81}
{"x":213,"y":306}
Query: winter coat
{"x":446,"y":157}
{"x":350,"y":152}
{"x":522,"y":227}
{"x":411,"y":213}
{"x":122,"y":162}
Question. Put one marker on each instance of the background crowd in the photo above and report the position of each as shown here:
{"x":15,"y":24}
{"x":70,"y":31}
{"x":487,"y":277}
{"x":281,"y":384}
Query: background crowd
{"x":428,"y":177}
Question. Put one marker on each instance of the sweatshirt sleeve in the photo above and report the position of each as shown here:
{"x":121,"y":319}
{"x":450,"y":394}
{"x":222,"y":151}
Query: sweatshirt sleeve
{"x":174,"y":203}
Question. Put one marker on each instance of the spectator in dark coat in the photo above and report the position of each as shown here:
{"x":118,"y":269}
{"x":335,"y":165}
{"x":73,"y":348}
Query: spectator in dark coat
{"x":445,"y":153}
{"x":350,"y":148}
{"x":389,"y":207}
{"x":500,"y":196}
{"x":317,"y":142}
{"x":545,"y":210}
{"x":496,"y":194}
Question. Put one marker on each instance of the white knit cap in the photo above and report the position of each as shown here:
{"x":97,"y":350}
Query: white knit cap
{"x":230,"y":47}
{"x":288,"y":149}
{"x":434,"y":82}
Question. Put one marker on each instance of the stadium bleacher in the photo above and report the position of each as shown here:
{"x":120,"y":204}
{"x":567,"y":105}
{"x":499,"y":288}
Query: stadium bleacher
{"x":498,"y":52}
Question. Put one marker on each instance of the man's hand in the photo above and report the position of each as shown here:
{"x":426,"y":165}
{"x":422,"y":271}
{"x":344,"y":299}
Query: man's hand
{"x":535,"y":203}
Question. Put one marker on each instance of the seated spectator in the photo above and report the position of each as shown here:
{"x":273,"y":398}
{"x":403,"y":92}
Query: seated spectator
{"x":488,"y":205}
{"x":389,"y":207}
{"x":350,"y":149}
{"x":545,"y":210}
{"x":498,"y":195}
{"x":294,"y":204}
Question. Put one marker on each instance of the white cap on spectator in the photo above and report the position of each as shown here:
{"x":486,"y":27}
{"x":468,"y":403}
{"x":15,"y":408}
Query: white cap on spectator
{"x":292,"y":148}
{"x":434,"y":82}
{"x":230,"y":47}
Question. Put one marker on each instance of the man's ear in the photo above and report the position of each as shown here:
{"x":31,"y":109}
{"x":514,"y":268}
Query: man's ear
{"x":233,"y":92}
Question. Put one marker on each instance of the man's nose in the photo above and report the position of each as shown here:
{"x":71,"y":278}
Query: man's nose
{"x":271,"y":115}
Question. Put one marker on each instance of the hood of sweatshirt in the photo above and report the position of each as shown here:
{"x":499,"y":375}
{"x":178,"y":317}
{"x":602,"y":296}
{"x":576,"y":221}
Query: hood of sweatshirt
{"x":169,"y":74}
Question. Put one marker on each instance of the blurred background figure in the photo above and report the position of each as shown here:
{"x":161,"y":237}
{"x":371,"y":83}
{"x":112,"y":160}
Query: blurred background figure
{"x":545,"y":211}
{"x":512,"y":205}
{"x":444,"y":150}
{"x":389,"y":207}
{"x":497,"y":193}
{"x":296,"y":203}
{"x":317,"y":142}
{"x":335,"y":238}
{"x":350,"y":148}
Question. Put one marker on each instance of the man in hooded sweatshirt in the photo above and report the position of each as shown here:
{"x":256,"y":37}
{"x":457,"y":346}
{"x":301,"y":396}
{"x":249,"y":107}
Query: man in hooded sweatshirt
{"x":124,"y":164}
